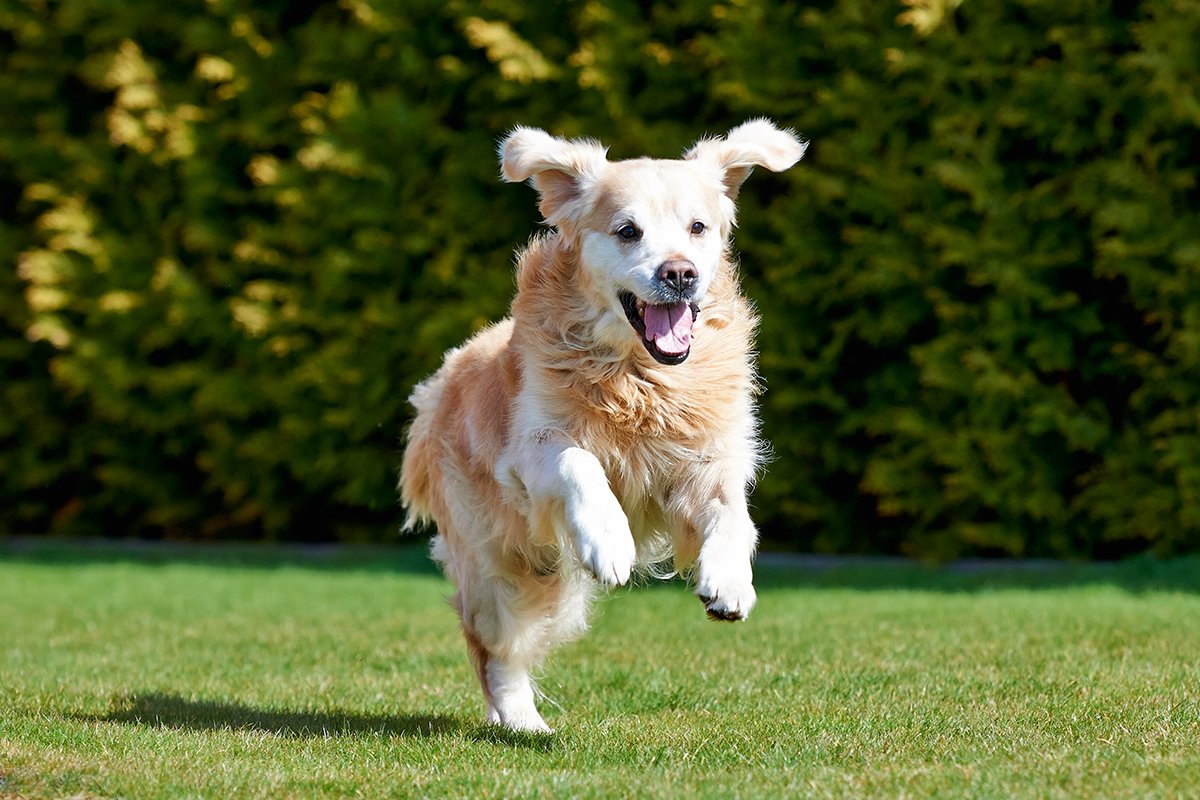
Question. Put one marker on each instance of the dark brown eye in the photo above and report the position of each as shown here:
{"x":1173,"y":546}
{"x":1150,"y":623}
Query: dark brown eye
{"x":698,"y":228}
{"x":628,"y":233}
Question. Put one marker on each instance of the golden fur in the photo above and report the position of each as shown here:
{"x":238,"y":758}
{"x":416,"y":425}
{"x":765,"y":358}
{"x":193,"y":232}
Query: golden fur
{"x":497,"y":454}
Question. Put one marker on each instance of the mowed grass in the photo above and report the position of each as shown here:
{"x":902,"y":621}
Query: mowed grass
{"x":227,"y":673}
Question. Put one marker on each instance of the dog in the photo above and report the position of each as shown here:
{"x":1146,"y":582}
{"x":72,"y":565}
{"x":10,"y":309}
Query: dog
{"x":608,"y":424}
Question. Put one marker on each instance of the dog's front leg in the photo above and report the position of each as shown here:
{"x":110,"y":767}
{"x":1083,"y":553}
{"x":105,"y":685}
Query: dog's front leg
{"x":569,"y":482}
{"x":724,"y":577}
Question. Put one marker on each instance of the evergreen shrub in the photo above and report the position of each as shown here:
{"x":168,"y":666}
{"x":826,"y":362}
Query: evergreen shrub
{"x":240,"y":232}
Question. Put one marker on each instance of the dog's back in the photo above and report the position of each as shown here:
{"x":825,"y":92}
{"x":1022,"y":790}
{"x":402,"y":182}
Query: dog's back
{"x":461,"y":423}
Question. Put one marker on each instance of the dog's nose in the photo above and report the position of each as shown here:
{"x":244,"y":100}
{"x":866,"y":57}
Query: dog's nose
{"x":679,"y":274}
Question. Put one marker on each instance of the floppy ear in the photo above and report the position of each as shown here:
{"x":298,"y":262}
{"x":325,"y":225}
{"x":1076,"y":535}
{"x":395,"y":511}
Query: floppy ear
{"x":560,"y":169}
{"x":756,"y":143}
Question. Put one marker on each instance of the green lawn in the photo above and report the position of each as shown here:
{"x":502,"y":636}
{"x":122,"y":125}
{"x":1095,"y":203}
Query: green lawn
{"x":230,"y":673}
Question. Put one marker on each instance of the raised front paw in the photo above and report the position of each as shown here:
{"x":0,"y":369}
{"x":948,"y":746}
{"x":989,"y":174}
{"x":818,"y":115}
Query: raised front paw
{"x":726,"y":591}
{"x":603,"y":541}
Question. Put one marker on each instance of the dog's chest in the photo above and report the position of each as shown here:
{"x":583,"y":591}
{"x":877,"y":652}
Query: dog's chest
{"x":643,"y":463}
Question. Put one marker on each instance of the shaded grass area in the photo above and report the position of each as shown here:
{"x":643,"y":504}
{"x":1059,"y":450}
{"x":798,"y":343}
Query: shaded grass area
{"x":247,"y":672}
{"x":170,"y":711}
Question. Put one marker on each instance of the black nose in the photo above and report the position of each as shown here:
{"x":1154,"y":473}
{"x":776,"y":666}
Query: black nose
{"x":680,"y":275}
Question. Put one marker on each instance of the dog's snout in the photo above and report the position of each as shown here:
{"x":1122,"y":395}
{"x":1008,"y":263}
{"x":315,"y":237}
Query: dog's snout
{"x":679,"y":274}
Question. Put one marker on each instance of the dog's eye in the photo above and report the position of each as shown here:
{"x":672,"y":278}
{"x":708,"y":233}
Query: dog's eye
{"x":629,"y":233}
{"x":698,"y":228}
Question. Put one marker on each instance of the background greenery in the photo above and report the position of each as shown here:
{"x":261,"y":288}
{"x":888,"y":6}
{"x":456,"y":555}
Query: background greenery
{"x":241,"y":231}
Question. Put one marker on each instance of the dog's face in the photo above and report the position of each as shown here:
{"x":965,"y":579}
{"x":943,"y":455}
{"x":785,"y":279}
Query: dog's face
{"x":650,"y":233}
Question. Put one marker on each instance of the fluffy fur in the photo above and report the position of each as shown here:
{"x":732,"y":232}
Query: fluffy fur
{"x":609,"y":422}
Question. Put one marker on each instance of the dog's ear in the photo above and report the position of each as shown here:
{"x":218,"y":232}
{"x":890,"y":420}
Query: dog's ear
{"x":756,"y":143}
{"x":560,"y":169}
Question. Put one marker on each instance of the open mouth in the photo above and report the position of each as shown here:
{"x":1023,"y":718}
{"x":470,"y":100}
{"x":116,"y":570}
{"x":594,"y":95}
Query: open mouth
{"x":665,"y":328}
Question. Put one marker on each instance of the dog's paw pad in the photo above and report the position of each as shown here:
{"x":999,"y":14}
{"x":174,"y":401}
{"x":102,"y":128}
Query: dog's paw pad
{"x":728,"y":605}
{"x":719,"y":613}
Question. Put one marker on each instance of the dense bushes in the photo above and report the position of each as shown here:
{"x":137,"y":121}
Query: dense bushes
{"x":242,"y":231}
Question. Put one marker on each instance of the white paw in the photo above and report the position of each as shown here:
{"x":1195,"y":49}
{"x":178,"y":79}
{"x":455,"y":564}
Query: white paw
{"x":529,"y":721}
{"x":603,"y":541}
{"x":726,"y":587}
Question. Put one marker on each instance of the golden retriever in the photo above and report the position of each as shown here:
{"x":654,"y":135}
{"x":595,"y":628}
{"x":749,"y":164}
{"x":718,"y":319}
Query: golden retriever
{"x":609,"y":422}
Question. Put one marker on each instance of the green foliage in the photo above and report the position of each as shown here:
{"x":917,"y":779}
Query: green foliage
{"x":243,"y":231}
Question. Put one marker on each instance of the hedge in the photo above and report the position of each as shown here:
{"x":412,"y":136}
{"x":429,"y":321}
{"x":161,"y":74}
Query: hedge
{"x":242,"y":231}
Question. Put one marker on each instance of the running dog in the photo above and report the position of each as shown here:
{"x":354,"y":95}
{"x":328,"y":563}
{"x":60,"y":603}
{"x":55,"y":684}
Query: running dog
{"x":608,"y":424}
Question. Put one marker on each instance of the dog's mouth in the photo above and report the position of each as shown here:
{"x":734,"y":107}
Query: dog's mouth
{"x":665,"y":328}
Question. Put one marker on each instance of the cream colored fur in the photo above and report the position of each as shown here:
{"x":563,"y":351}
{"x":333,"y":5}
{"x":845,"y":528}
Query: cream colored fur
{"x":553,"y":452}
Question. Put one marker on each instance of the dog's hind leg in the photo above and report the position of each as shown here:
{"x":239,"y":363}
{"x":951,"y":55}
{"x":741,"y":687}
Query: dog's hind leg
{"x":516,"y":602}
{"x":510,"y":684}
{"x":479,"y":656}
{"x":512,"y":623}
{"x":506,"y":639}
{"x":463,"y":573}
{"x":545,"y":612}
{"x":505,"y":616}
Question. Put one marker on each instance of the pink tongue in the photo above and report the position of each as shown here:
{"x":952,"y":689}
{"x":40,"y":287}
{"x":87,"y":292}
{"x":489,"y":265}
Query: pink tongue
{"x":670,"y":327}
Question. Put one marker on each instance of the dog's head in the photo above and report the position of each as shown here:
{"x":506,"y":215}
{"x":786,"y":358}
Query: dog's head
{"x":650,"y":233}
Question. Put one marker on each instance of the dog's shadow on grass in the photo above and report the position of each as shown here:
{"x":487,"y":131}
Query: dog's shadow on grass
{"x":168,"y":711}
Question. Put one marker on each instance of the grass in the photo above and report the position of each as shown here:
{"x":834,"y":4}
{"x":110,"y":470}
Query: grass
{"x":227,"y":673}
